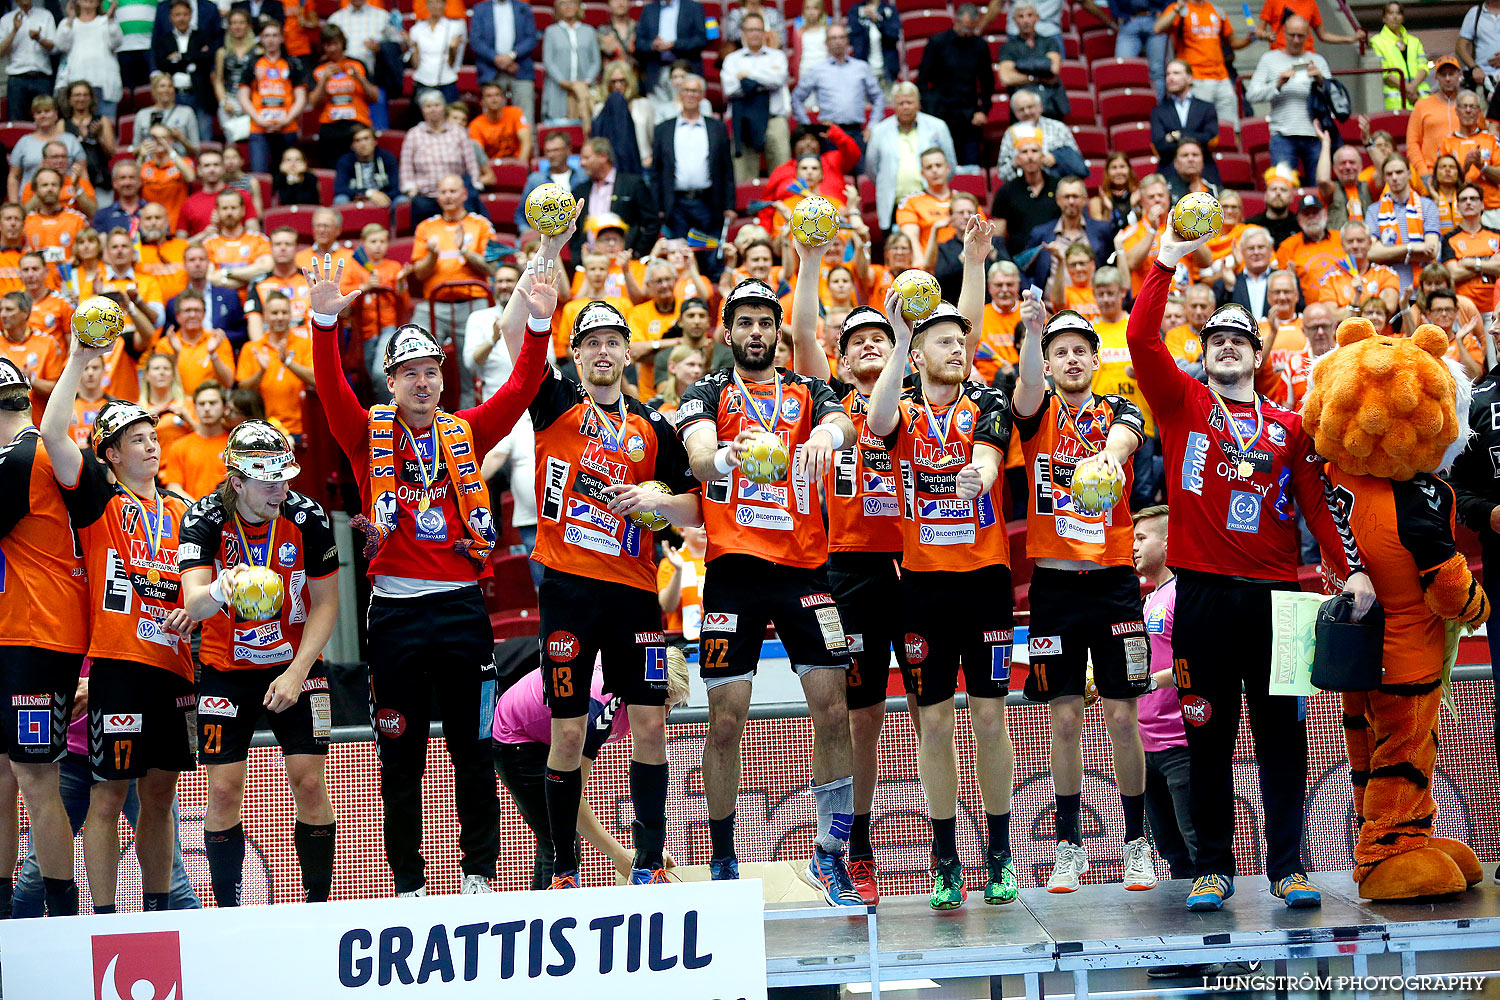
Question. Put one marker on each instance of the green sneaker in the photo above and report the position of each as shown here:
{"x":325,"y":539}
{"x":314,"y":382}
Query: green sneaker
{"x":948,"y":892}
{"x":1001,"y":888}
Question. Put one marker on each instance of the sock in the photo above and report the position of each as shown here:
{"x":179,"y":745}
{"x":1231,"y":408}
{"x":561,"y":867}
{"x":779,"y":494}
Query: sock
{"x":7,"y":887}
{"x":154,"y":901}
{"x":999,"y":830}
{"x":226,"y":862}
{"x":100,"y":909}
{"x":1067,"y":819}
{"x":315,"y":857}
{"x":945,"y":839}
{"x":648,"y":790}
{"x":62,"y":896}
{"x":1135,"y":816}
{"x":835,"y":800}
{"x":564,"y":792}
{"x":721,"y":836}
{"x":859,"y":839}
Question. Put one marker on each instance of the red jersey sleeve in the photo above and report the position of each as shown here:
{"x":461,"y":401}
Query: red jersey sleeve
{"x":1156,"y":371}
{"x":1326,"y":516}
{"x":348,"y":421}
{"x":493,"y":419}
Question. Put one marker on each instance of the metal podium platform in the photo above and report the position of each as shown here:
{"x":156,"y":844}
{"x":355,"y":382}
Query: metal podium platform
{"x":1106,"y":927}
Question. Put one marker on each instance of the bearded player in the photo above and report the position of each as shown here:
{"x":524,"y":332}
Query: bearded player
{"x":766,"y":550}
{"x":957,"y":607}
{"x":253,"y":519}
{"x":429,"y":531}
{"x":1085,"y":599}
{"x":1235,"y":464}
{"x":141,"y":690}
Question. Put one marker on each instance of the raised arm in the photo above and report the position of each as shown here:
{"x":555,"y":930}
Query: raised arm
{"x":514,"y":318}
{"x":885,"y":400}
{"x":977,"y":236}
{"x":1161,"y":381}
{"x":67,"y":459}
{"x":347,"y":419}
{"x":808,"y":356}
{"x":1031,"y":375}
{"x":496,"y":416}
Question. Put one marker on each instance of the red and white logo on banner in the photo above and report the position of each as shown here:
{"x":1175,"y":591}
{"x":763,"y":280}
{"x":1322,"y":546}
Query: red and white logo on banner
{"x":137,"y":966}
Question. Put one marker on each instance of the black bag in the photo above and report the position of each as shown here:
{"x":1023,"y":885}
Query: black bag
{"x":1328,"y":100}
{"x":1348,"y":655}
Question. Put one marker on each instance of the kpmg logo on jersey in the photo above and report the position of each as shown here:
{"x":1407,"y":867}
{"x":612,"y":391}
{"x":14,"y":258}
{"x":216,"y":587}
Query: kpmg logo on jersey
{"x":1194,"y":458}
{"x":1244,"y":512}
{"x":148,"y":965}
{"x":286,"y":553}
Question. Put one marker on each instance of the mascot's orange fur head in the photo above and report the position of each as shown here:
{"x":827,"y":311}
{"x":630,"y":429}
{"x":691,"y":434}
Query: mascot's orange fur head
{"x":1389,"y":407}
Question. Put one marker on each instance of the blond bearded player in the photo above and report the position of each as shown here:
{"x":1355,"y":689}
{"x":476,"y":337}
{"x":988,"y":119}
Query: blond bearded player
{"x":766,"y":550}
{"x":1085,"y":599}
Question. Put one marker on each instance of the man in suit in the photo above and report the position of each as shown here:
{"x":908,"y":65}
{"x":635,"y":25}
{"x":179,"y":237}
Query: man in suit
{"x":187,"y":53}
{"x":670,"y":30}
{"x":609,"y":191}
{"x":222,"y":305}
{"x":502,"y":36}
{"x":1252,"y":287}
{"x":1181,"y":116}
{"x":260,"y":12}
{"x":1073,"y":225}
{"x":694,"y":173}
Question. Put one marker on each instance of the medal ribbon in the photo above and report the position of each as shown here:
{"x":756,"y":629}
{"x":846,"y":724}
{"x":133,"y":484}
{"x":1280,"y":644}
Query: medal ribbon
{"x":769,"y":426}
{"x":1234,"y":431}
{"x":614,"y":439}
{"x":937,"y":430}
{"x":153,"y":536}
{"x":1072,"y":422}
{"x":437,"y":455}
{"x":245,"y":554}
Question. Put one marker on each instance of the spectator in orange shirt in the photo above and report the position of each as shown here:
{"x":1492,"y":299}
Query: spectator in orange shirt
{"x":194,"y":465}
{"x":38,"y":356}
{"x":596,"y":272}
{"x":651,"y":321}
{"x":199,"y":353}
{"x":327,"y":223}
{"x":12,"y":245}
{"x":996,"y":357}
{"x":238,"y":255}
{"x":1316,"y":256}
{"x":341,"y":95}
{"x":161,"y":253}
{"x":77,"y":189}
{"x":376,"y":314}
{"x":1433,"y":119}
{"x":1373,"y":309}
{"x":1478,"y":154}
{"x":1373,"y":279}
{"x":1465,"y":341}
{"x":50,"y":313}
{"x":921,"y":213}
{"x":285,"y":277}
{"x":1275,"y":13}
{"x":1072,"y":283}
{"x":51,"y":229}
{"x":280,"y":366}
{"x":501,"y":129}
{"x":165,"y":174}
{"x":89,"y":401}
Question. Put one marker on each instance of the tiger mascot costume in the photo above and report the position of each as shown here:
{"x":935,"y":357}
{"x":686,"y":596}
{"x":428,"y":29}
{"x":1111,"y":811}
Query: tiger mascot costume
{"x":1388,"y":413}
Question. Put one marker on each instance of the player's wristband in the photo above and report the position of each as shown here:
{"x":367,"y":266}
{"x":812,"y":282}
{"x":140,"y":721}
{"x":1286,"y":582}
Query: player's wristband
{"x":324,"y":319}
{"x":834,"y":432}
{"x":216,"y":591}
{"x":539,"y":324}
{"x":721,"y":461}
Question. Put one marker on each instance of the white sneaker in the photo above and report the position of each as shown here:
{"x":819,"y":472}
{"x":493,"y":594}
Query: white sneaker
{"x":475,"y":885}
{"x":1071,"y":863}
{"x":412,"y":893}
{"x":1140,"y":871}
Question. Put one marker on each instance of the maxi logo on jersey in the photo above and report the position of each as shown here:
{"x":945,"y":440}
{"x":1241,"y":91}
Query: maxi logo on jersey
{"x":595,"y":458}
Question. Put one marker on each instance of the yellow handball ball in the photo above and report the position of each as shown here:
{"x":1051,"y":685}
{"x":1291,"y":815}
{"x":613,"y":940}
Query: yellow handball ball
{"x":652,"y":520}
{"x":920,"y":294}
{"x":1197,"y":215}
{"x":815,"y":220}
{"x":256,"y":594}
{"x":764,"y":459}
{"x":550,"y":208}
{"x":98,"y":321}
{"x":1096,"y":488}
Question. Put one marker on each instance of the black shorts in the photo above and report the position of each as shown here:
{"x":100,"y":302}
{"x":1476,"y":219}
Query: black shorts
{"x":957,"y":619}
{"x":583,"y":618}
{"x":140,"y":719}
{"x":36,"y":690}
{"x":231,"y":702}
{"x":1076,"y":616}
{"x":868,"y":591}
{"x":742,"y":594}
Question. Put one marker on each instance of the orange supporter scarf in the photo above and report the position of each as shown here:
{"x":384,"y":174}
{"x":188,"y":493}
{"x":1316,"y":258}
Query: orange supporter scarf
{"x":1388,"y":223}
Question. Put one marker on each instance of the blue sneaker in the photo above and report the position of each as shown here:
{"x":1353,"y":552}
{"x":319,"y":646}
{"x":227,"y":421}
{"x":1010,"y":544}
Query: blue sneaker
{"x":827,"y":874}
{"x":1209,"y":892}
{"x":1297,"y":892}
{"x":724,"y":869}
{"x":648,"y":876}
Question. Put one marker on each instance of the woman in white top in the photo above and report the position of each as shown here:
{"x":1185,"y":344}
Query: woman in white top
{"x":437,"y":44}
{"x":570,"y":54}
{"x":239,"y":52}
{"x":91,"y":40}
{"x":808,"y":32}
{"x":618,"y":77}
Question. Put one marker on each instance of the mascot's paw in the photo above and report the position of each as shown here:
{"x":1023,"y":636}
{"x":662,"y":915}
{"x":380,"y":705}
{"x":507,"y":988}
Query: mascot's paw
{"x":1454,"y":594}
{"x":1417,"y":874}
{"x":1463,"y":856}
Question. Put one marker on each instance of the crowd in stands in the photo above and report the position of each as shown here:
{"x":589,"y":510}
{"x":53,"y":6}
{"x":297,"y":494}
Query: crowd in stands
{"x":189,"y":160}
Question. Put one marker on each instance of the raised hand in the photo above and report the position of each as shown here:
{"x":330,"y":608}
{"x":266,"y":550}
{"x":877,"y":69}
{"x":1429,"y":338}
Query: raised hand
{"x":323,"y":295}
{"x":977,"y":239}
{"x":541,"y":297}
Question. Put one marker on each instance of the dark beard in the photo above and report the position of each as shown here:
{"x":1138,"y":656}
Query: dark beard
{"x":744,"y":360}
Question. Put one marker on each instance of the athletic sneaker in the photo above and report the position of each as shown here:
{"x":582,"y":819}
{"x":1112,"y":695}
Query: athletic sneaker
{"x":862,"y":874}
{"x":1071,"y":863}
{"x":1001,"y":887}
{"x":1297,"y":891}
{"x":567,"y":880}
{"x":948,"y":892}
{"x":648,"y":876}
{"x":724,"y":869}
{"x":826,"y":873}
{"x":1140,"y":872}
{"x":474,"y":885}
{"x":412,"y":893}
{"x":1209,"y":892}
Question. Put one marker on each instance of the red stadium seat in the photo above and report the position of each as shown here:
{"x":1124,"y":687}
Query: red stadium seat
{"x":975,"y":184}
{"x":264,"y":180}
{"x":1092,"y":141}
{"x":390,"y":140}
{"x":506,"y":625}
{"x":1000,"y":108}
{"x":1349,"y":131}
{"x":400,"y":250}
{"x":299,"y":217}
{"x":360,"y":214}
{"x":1236,"y":170}
{"x":1072,"y":49}
{"x":403,"y":219}
{"x":1114,"y":72}
{"x":501,"y":209}
{"x":748,"y":191}
{"x":1081,"y":110}
{"x":11,"y":132}
{"x":1144,"y":166}
{"x":124,"y":131}
{"x":914,"y":51}
{"x":1254,"y":202}
{"x":1074,"y":76}
{"x":595,"y":16}
{"x":513,"y":585}
{"x":1097,"y":45}
{"x":1229,"y":139}
{"x":1255,"y":134}
{"x":325,"y":183}
{"x":925,"y":24}
{"x":1128,"y":105}
{"x":794,"y":9}
{"x":510,"y":175}
{"x":1393,"y":122}
{"x":1096,"y":174}
{"x":1131,"y":138}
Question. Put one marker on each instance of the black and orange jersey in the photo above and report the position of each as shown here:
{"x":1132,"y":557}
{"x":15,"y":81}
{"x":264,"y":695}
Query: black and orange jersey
{"x":938,"y":530}
{"x":298,"y":546}
{"x":777,"y":522}
{"x":864,"y":509}
{"x":131,"y":588}
{"x":576,"y":458}
{"x":1053,"y":444}
{"x":43,"y":591}
{"x":273,"y":84}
